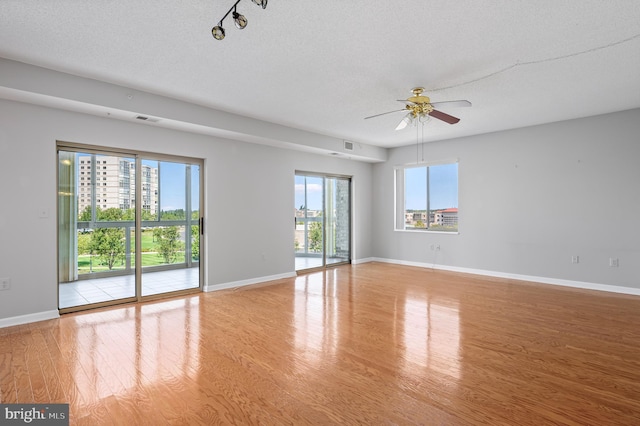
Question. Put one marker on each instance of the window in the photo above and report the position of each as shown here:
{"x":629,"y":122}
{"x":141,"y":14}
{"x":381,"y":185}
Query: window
{"x":427,"y":197}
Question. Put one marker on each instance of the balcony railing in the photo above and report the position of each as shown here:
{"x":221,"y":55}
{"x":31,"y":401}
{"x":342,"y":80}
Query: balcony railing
{"x":93,"y":265}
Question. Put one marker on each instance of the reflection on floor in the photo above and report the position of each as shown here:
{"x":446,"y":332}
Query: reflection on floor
{"x":97,"y":290}
{"x":306,"y":262}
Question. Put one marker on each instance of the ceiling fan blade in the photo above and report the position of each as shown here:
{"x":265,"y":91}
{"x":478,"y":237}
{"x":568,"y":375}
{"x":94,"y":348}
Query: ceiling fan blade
{"x":384,"y":113}
{"x":444,"y":117}
{"x":453,"y":104}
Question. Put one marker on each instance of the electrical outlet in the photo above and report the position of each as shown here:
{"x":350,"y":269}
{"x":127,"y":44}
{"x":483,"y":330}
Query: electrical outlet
{"x":613,"y":262}
{"x":5,"y":283}
{"x":575,"y":259}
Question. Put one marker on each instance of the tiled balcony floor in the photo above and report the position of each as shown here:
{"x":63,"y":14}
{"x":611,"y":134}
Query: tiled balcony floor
{"x":307,"y":262}
{"x":83,"y":292}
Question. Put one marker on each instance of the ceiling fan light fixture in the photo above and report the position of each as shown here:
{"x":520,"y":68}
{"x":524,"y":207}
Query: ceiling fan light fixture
{"x":407,"y":120}
{"x":424,"y":118}
{"x":218,"y":31}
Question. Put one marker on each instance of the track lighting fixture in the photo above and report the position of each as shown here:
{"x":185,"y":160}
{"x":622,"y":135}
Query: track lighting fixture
{"x":239,"y":20}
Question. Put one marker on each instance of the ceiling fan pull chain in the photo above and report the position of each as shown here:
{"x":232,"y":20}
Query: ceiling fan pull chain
{"x":417,"y":146}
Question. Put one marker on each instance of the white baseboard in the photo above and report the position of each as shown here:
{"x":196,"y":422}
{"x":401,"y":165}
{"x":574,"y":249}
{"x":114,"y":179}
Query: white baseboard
{"x":365,"y":260}
{"x":242,"y":283}
{"x":519,"y":277}
{"x":24,"y":319}
{"x":53,"y":314}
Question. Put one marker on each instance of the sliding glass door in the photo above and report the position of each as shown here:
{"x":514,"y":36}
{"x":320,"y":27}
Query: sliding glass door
{"x":96,"y":219}
{"x":128,"y":226}
{"x":170,"y":237}
{"x":309,"y":220}
{"x":322,"y":220}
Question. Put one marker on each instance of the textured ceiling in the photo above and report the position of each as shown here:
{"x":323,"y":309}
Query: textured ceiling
{"x":323,"y":66}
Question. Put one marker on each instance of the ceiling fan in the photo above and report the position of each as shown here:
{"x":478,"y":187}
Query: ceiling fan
{"x":420,"y":107}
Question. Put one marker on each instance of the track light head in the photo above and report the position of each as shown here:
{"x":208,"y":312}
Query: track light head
{"x":262,"y":3}
{"x":240,"y":20}
{"x":218,"y":31}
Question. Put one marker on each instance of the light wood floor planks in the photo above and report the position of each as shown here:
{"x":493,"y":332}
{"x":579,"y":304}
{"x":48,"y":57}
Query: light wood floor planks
{"x":368,"y":344}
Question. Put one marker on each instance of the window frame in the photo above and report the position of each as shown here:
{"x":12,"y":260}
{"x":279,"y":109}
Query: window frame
{"x":399,"y":199}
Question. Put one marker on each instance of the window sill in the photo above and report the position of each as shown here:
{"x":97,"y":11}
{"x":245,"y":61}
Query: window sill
{"x":426,"y":231}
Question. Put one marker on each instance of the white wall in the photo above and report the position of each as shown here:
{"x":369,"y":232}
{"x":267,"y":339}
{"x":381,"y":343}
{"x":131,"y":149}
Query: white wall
{"x":249,"y":199}
{"x":530,"y":199}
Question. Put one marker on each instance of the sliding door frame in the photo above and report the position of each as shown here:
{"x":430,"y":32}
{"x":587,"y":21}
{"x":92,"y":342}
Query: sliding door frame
{"x":138,"y":156}
{"x":325,"y":177}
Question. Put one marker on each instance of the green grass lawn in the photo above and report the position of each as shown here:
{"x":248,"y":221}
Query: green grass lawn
{"x":150,"y":257}
{"x":147,"y":241}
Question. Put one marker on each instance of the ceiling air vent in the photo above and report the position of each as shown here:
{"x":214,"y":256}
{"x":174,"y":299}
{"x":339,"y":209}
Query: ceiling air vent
{"x":348,"y":146}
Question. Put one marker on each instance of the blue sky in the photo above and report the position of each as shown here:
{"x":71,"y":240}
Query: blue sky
{"x":314,"y":192}
{"x":443,"y":180}
{"x":172,"y":185}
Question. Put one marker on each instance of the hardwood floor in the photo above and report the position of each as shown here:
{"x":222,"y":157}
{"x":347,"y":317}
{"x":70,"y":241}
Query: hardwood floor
{"x":368,"y":344}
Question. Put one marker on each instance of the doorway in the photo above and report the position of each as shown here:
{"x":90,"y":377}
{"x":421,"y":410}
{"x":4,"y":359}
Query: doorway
{"x":129,"y":226}
{"x":322,"y":220}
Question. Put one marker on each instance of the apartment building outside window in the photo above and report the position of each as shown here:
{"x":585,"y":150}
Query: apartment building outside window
{"x":426,"y":197}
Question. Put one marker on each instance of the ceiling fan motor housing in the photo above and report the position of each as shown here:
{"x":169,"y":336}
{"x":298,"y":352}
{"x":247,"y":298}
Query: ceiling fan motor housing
{"x":420,"y":105}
